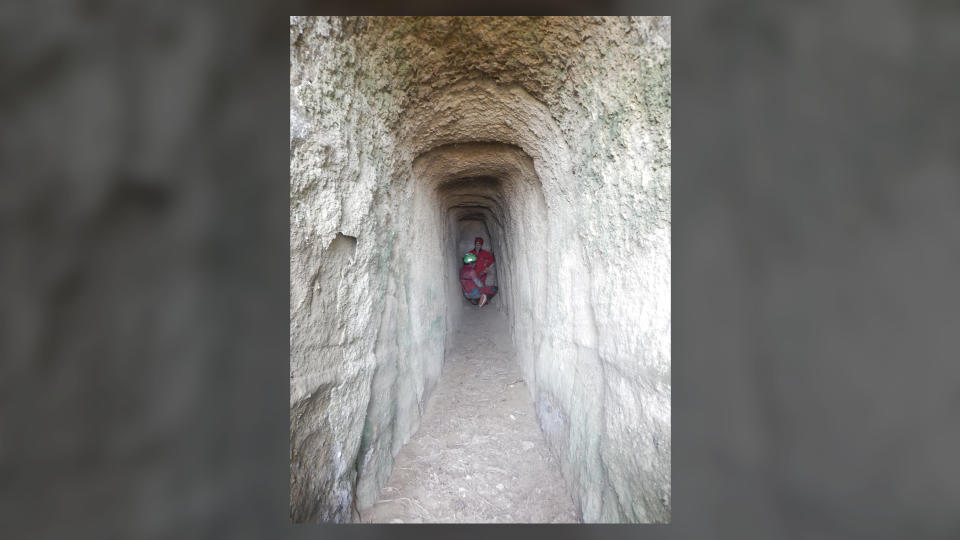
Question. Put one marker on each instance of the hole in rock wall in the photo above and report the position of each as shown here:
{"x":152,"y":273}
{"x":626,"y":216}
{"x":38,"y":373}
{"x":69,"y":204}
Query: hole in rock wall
{"x":342,"y":247}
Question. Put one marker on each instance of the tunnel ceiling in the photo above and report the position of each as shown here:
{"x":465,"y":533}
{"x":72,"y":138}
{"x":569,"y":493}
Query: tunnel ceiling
{"x":478,"y":175}
{"x":430,"y":53}
{"x":468,"y":184}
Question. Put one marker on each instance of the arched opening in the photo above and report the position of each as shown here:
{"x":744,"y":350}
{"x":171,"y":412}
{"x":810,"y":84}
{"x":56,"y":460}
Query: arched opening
{"x":492,"y":189}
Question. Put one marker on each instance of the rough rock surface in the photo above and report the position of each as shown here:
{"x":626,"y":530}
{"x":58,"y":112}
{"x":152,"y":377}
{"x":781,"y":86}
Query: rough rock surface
{"x":479,"y":455}
{"x":554,"y":133}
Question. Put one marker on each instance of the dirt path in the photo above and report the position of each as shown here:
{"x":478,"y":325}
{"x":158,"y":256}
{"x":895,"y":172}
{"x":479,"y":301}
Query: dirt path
{"x":479,"y":455}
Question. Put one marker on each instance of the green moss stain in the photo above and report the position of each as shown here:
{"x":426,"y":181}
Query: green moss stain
{"x":436,"y":329}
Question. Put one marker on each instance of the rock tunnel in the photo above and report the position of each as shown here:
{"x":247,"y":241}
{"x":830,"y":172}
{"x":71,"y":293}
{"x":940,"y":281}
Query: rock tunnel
{"x":548,"y":137}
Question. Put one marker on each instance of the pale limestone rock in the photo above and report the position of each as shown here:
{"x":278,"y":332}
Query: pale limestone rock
{"x":558,"y":131}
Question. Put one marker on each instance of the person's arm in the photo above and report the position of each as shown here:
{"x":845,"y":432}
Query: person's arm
{"x":489,"y":266}
{"x":471,"y":274}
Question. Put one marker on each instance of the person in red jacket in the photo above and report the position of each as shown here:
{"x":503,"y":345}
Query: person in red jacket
{"x":484,"y":258}
{"x":471,"y":281}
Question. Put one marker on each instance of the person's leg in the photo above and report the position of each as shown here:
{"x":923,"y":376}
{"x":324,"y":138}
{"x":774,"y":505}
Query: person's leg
{"x":488,"y":293}
{"x":473,"y":296}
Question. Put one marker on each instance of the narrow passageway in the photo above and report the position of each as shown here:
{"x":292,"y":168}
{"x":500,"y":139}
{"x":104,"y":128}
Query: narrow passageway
{"x":550,"y":139}
{"x":479,"y":455}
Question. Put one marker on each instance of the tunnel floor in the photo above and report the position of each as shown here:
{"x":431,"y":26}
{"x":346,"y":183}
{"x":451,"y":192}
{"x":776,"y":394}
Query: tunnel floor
{"x":479,"y":455}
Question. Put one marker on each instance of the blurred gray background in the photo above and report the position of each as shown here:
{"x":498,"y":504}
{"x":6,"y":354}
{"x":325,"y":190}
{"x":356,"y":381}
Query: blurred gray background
{"x":144,"y":255}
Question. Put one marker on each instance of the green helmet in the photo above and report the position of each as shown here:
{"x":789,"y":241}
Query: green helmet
{"x":469,"y":258}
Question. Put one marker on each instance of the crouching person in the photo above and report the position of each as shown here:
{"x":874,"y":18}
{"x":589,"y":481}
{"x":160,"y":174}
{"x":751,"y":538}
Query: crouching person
{"x":472,"y":282}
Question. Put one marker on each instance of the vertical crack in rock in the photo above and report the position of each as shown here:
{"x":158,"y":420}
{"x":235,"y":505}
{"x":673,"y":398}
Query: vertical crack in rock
{"x":412,"y":135}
